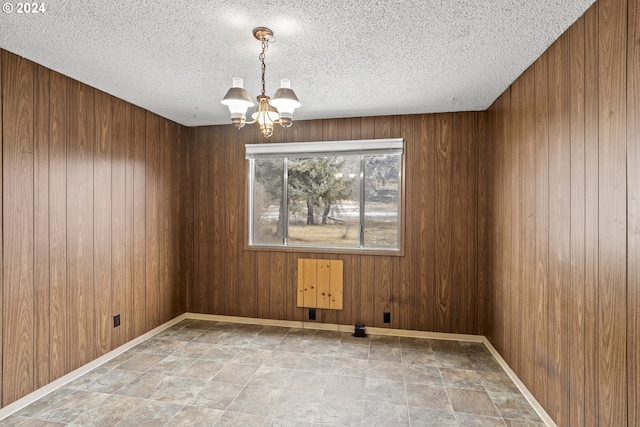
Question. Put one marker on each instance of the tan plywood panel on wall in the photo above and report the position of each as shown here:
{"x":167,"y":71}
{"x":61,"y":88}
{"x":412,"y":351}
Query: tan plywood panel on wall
{"x":300,"y":294}
{"x":323,"y":281}
{"x":307,"y":282}
{"x":320,"y":283}
{"x":336,"y":285}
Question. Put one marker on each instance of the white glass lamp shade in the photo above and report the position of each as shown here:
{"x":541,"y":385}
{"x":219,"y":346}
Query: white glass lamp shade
{"x":286,"y":101}
{"x":238,"y":101}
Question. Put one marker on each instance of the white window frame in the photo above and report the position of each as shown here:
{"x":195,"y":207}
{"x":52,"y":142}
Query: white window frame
{"x":325,"y":149}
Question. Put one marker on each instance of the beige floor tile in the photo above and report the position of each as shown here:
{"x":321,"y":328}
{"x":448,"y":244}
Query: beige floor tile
{"x":385,"y":391}
{"x":429,"y":417}
{"x":475,"y":402}
{"x":428,"y":396}
{"x":194,"y":416}
{"x":385,"y":414}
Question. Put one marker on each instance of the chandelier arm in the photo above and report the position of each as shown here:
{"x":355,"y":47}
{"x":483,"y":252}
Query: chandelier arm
{"x":272,"y":119}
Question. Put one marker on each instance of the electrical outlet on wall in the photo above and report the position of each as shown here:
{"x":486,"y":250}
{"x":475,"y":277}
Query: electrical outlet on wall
{"x":116,"y":320}
{"x":386,"y":317}
{"x":312,"y":314}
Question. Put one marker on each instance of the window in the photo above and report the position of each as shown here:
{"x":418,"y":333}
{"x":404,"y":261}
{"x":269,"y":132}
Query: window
{"x":333,"y":195}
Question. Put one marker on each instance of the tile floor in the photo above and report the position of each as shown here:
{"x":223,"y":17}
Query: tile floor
{"x":226,"y":374}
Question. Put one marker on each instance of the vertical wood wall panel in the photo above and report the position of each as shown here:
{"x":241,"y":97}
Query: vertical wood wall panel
{"x":467,"y":234}
{"x":74,"y":248}
{"x":462,"y":237}
{"x":18,"y":238}
{"x":41,"y":276}
{"x":80,"y":226}
{"x":218,"y":211}
{"x":185,"y":201}
{"x":382,"y":281}
{"x":233,"y":223}
{"x":164,"y":180}
{"x":277,"y":280}
{"x":422,"y":170}
{"x":120,"y":215}
{"x":139,"y":222}
{"x":152,"y":192}
{"x":528,"y":206}
{"x":542,"y":227}
{"x":577,"y":249}
{"x":591,"y":218}
{"x":402,"y":269}
{"x":179,"y":232}
{"x":500,"y":321}
{"x":263,"y":288}
{"x":559,"y":231}
{"x":2,"y":79}
{"x":612,"y":221}
{"x":633,"y":212}
{"x":496,"y":180}
{"x":246,"y":286}
{"x":129,"y":256}
{"x":484,"y":213}
{"x":444,"y":159}
{"x":59,"y":348}
{"x":201,"y":197}
{"x":513,"y":241}
{"x":101,"y":195}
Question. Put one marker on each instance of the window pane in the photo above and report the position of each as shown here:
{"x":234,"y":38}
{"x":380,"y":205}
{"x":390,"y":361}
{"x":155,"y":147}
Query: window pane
{"x":323,"y":201}
{"x":381,"y":201}
{"x":267,"y":202}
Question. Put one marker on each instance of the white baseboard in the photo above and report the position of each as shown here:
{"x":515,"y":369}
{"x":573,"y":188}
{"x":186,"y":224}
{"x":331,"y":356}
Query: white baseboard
{"x":523,"y":389}
{"x":43,"y":391}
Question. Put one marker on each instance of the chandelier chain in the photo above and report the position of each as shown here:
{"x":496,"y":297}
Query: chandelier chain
{"x":265,"y":46}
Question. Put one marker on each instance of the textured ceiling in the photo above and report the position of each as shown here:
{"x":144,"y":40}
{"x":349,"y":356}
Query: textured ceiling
{"x":344,"y":58}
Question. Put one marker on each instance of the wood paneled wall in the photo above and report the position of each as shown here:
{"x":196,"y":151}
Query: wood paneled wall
{"x":563,"y":216}
{"x":433,"y":287}
{"x":92,"y":221}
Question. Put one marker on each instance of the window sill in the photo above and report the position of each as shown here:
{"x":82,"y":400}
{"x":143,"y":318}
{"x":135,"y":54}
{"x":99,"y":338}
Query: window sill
{"x":329,"y":251}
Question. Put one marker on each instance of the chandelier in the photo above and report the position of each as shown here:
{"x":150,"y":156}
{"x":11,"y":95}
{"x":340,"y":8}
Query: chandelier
{"x":270,"y":111}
